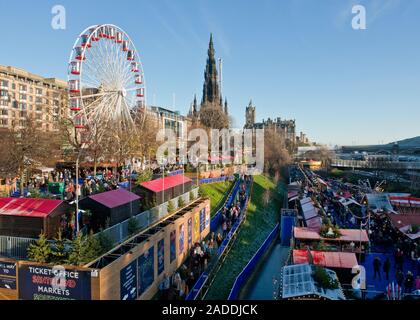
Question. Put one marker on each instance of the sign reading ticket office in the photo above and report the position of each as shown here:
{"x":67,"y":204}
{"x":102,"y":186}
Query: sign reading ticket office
{"x":36,"y":283}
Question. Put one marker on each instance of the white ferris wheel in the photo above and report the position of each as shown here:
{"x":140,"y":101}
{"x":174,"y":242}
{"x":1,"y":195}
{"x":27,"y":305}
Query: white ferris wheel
{"x":106,"y":83}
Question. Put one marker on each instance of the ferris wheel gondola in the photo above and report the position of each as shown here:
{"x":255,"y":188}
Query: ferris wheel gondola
{"x":105,"y":78}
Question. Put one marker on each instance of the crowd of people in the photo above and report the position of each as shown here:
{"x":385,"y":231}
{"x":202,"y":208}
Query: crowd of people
{"x":178,"y":286}
{"x":397,"y":256}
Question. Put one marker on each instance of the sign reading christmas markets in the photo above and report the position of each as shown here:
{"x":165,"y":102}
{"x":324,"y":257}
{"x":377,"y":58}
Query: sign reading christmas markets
{"x":53,"y":283}
{"x":7,"y":275}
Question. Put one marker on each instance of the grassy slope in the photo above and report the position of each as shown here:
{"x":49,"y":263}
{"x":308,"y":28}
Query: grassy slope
{"x":260,"y":221}
{"x":216,"y":192}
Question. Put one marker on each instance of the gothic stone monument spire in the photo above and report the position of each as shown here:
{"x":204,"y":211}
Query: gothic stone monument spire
{"x":211,"y":93}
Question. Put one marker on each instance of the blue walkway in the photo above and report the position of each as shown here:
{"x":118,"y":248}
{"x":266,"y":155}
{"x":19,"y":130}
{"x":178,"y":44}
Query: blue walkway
{"x":261,"y":284}
{"x":381,"y":285}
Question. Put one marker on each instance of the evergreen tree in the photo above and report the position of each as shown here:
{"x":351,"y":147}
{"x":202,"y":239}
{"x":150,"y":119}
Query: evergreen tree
{"x":40,"y":251}
{"x":92,"y":249}
{"x":76,"y":250}
{"x":59,"y":253}
{"x":171,"y":207}
{"x":133,"y":225}
{"x":105,"y":242}
{"x":84,"y":249}
{"x":181,"y":202}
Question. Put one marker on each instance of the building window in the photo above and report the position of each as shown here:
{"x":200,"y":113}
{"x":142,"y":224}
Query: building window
{"x":22,"y":87}
{"x":22,"y":97}
{"x":38,"y":91}
{"x":4,"y":112}
{"x":3,"y":122}
{"x":13,"y":86}
{"x":4,"y":83}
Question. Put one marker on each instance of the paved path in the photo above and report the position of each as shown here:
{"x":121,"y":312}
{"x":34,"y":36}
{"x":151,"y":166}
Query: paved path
{"x":261,"y":286}
{"x":381,"y":284}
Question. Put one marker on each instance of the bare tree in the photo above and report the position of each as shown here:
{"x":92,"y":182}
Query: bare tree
{"x":276,"y":155}
{"x":213,"y":117}
{"x":25,"y":147}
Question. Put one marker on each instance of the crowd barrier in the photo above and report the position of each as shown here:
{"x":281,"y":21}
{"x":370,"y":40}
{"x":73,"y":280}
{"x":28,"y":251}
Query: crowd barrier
{"x":119,"y":232}
{"x":215,"y":221}
{"x":219,"y":179}
{"x":15,"y":247}
{"x":243,"y":277}
{"x":193,"y":294}
{"x":204,"y":277}
{"x":174,"y":173}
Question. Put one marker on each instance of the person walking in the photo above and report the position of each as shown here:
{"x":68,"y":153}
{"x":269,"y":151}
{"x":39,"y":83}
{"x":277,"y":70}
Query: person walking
{"x":400,"y":278}
{"x":377,"y":267}
{"x":417,"y":283}
{"x":399,"y":259}
{"x":387,"y":267}
{"x":409,"y":281}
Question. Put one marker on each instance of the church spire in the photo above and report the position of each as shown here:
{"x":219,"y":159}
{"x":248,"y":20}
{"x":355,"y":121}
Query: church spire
{"x":226,"y":107}
{"x":211,"y":93}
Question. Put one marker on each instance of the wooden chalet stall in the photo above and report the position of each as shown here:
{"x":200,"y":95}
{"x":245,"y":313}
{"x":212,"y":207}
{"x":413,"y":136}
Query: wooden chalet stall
{"x":341,"y":263}
{"x":164,"y":189}
{"x":27,"y":217}
{"x":351,"y":240}
{"x":116,"y":205}
{"x":134,"y":269}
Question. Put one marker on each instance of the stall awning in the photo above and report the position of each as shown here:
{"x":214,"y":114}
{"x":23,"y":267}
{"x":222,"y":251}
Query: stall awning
{"x":28,"y":207}
{"x":347,"y":235}
{"x":161,"y":184}
{"x":405,"y":201}
{"x":403,"y":222}
{"x":114,"y":198}
{"x":345,"y":260}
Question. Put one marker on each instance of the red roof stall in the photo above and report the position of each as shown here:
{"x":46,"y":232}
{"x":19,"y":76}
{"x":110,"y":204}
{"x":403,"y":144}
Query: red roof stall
{"x":116,"y":205}
{"x":346,"y":260}
{"x":27,"y":217}
{"x":351,"y":240}
{"x":347,"y":235}
{"x":405,"y":222}
{"x":161,"y":190}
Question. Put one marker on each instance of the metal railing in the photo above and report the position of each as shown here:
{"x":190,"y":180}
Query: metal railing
{"x":119,"y":232}
{"x":372,"y":164}
{"x":246,"y":272}
{"x":15,"y":247}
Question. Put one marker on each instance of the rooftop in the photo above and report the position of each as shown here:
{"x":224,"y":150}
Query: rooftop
{"x":28,"y":207}
{"x":297,"y":281}
{"x":328,"y":259}
{"x":114,"y":198}
{"x":346,"y":235}
{"x":161,"y":184}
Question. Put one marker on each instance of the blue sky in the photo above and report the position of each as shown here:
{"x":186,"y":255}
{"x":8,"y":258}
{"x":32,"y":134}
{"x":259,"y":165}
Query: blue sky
{"x":296,"y":59}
